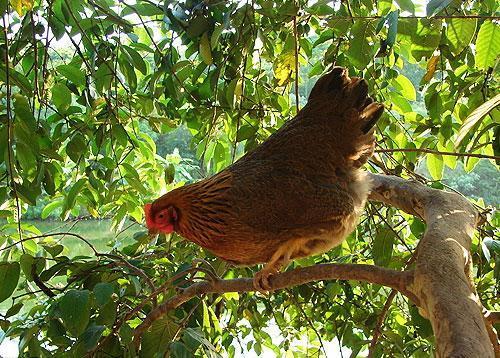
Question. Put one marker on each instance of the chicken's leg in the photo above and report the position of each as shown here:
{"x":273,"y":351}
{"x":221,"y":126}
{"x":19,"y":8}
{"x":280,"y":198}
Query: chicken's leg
{"x":280,"y":259}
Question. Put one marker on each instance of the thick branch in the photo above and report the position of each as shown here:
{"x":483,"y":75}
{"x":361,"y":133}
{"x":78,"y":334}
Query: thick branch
{"x":369,"y":273}
{"x":442,"y":279}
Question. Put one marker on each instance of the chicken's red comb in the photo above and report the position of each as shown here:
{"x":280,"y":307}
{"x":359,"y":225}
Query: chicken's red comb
{"x":147,"y":214}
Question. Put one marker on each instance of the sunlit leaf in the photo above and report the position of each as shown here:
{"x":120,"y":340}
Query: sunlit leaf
{"x":435,"y":165}
{"x":407,"y":89}
{"x":476,"y":116}
{"x":431,"y":68}
{"x":487,"y":45}
{"x":21,"y":6}
{"x":460,"y":33}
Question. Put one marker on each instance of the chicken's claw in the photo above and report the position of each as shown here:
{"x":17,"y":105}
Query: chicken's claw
{"x":261,"y":279}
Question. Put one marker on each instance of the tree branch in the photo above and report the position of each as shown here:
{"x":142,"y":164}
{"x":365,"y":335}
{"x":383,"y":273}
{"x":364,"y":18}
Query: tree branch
{"x":442,"y":279}
{"x":368,"y":273}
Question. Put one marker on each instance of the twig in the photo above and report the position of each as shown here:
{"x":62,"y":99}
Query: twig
{"x":52,"y":234}
{"x":432,"y":151}
{"x":440,"y":17}
{"x":380,"y":321}
{"x":10,"y":128}
{"x":311,"y":324}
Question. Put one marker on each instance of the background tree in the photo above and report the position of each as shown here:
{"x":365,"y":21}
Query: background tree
{"x":92,"y":92}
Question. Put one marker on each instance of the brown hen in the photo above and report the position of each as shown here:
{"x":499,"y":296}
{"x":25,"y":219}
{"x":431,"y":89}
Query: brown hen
{"x":299,"y":193}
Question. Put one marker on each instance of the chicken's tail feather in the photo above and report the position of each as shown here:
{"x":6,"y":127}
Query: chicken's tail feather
{"x":353,"y":110}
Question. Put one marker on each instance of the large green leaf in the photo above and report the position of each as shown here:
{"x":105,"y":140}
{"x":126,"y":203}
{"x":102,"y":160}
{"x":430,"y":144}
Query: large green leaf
{"x":61,"y":96}
{"x":487,"y":45}
{"x":70,"y":200}
{"x":103,"y":292}
{"x":9,"y":276}
{"x":74,"y":308}
{"x":360,"y":51}
{"x":476,"y":116}
{"x":156,"y":339}
{"x":73,"y":74}
{"x":406,"y":87}
{"x":459,"y":33}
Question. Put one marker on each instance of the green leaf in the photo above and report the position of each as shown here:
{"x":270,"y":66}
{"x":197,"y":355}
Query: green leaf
{"x":459,"y":33}
{"x":382,"y":247}
{"x":129,"y":72}
{"x":492,"y":245}
{"x":245,"y":132}
{"x":214,"y":39}
{"x":70,"y":200}
{"x":61,"y":96}
{"x":205,"y":49}
{"x":53,"y":250}
{"x":435,"y":165}
{"x":73,"y":74}
{"x":424,"y":327}
{"x":28,"y":192}
{"x":406,"y":87}
{"x":17,"y":79}
{"x":392,"y":20}
{"x":103,"y":77}
{"x":487,"y":45}
{"x":179,"y":350}
{"x":169,"y":173}
{"x":103,"y":292}
{"x":198,"y":26}
{"x":156,"y":339}
{"x":27,"y":262}
{"x":435,"y":6}
{"x":74,"y":308}
{"x":423,"y":35}
{"x":136,"y":59}
{"x":91,"y":336}
{"x":475,"y":117}
{"x":360,"y":51}
{"x":76,"y":147}
{"x":50,"y":207}
{"x":406,"y":5}
{"x":9,"y":276}
{"x":13,"y":310}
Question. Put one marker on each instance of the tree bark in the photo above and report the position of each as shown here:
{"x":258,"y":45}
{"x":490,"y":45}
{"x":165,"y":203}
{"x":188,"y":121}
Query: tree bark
{"x":440,"y":285}
{"x":442,"y":280}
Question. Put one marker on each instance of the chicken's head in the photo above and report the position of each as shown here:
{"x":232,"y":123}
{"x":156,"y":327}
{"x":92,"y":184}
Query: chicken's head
{"x":162,"y":220}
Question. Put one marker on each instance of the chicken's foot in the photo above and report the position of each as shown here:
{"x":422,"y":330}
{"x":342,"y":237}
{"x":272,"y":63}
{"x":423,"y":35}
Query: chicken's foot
{"x":280,"y":259}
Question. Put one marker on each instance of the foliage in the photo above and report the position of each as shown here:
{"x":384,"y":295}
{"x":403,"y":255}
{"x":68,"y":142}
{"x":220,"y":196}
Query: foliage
{"x":84,"y":84}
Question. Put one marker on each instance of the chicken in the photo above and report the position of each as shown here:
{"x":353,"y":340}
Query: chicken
{"x":298,"y":194}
